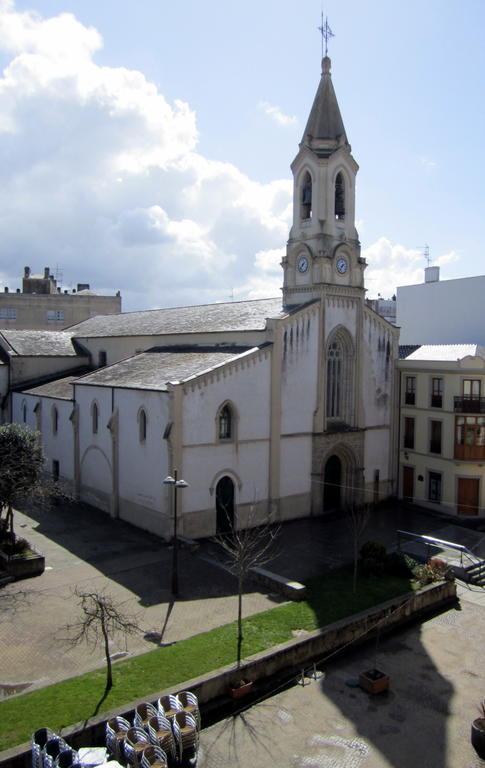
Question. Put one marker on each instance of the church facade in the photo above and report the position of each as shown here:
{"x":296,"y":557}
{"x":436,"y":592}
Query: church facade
{"x":269,"y":410}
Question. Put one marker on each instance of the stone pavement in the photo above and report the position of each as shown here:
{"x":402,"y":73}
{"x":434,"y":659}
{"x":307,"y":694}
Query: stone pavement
{"x":86,"y":549}
{"x":437,"y":672}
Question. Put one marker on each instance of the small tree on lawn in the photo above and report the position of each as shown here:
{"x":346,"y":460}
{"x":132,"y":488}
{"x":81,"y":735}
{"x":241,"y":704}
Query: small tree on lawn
{"x":101,"y":620}
{"x":21,"y":468}
{"x":247,"y":548}
{"x":357,"y":518}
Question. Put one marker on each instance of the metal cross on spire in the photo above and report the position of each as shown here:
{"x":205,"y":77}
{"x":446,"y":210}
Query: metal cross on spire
{"x":326,"y":33}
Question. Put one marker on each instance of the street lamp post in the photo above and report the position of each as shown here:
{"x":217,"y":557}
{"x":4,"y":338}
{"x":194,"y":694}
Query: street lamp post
{"x":176,"y":483}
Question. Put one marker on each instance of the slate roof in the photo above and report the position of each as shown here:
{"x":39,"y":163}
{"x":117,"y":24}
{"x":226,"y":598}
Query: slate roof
{"x":156,"y":367}
{"x":59,"y":388}
{"x":205,"y":318}
{"x":407,"y":349}
{"x":38,"y":343}
{"x":446,"y":352}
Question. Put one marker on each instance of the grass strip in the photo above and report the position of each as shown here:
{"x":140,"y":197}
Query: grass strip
{"x":329,"y":599}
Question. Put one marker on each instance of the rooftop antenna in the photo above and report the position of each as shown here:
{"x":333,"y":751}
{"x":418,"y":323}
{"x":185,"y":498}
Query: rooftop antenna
{"x":426,"y":254}
{"x":59,"y":275}
{"x":326,"y":34}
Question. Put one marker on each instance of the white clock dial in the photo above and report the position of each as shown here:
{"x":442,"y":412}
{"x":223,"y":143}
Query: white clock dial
{"x":342,"y":266}
{"x":302,"y":264}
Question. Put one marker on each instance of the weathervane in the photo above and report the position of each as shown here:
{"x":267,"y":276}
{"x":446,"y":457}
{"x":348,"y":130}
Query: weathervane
{"x":326,"y":33}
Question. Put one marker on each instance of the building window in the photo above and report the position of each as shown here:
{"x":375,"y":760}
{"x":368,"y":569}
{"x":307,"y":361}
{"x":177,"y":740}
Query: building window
{"x":102,"y":358}
{"x":225,"y":423}
{"x":409,"y":433}
{"x":410,"y":391}
{"x":55,"y":470}
{"x":339,"y":196}
{"x":94,"y":418}
{"x":306,"y":197}
{"x":436,"y":393}
{"x":435,"y":437}
{"x":55,"y":315}
{"x":470,"y":437}
{"x":434,"y":486}
{"x":340,"y":377}
{"x":38,"y":416}
{"x":24,"y":413}
{"x":8,"y":314}
{"x":55,"y":420}
{"x":142,"y":424}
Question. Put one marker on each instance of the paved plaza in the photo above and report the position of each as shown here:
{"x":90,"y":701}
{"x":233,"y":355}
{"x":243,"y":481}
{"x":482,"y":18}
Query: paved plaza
{"x":437,"y":669}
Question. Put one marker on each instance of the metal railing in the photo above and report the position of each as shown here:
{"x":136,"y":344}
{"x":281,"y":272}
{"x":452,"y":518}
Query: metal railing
{"x":468,"y":404}
{"x":430,"y":542}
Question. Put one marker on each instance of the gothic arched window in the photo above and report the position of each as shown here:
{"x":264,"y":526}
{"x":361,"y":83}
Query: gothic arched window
{"x":55,"y":420}
{"x":225,"y":423}
{"x":340,"y":375}
{"x":339,"y":196}
{"x":306,"y":197}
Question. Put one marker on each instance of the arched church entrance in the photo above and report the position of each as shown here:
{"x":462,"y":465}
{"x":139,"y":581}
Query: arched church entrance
{"x":224,"y":505}
{"x":332,"y":484}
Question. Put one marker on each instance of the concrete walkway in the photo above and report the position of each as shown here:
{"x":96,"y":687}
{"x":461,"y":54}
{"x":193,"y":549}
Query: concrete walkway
{"x":86,"y":549}
{"x":437,"y":672}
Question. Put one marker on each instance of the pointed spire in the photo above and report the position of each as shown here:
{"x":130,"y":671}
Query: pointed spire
{"x":325,"y":121}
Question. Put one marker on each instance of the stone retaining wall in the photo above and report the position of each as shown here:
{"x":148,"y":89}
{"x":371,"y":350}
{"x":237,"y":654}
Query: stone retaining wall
{"x":286,"y":658}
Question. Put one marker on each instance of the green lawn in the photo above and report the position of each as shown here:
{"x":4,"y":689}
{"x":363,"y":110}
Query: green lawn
{"x":329,"y":599}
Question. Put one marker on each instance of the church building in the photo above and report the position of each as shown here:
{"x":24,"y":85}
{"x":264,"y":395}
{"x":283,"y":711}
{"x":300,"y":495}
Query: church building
{"x":269,"y":410}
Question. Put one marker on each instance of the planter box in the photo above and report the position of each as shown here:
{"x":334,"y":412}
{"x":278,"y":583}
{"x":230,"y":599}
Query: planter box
{"x":374,"y":681}
{"x":23,"y":566}
{"x":242,"y":690}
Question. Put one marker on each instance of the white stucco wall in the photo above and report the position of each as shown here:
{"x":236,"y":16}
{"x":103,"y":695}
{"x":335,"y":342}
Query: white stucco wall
{"x":380,"y":351}
{"x":143,"y":464}
{"x":299,"y":373}
{"x":442,"y":312}
{"x":56,"y":446}
{"x":95,"y":450}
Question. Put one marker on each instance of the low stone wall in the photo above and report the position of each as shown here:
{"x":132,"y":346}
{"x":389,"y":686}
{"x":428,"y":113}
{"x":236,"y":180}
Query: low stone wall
{"x":285,"y":658}
{"x":292,"y":590}
{"x":23,"y":566}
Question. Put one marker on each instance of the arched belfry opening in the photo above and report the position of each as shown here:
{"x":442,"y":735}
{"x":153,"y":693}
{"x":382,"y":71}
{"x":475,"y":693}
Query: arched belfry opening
{"x":306,"y":197}
{"x":224,"y":505}
{"x":332,"y":484}
{"x":340,"y":196}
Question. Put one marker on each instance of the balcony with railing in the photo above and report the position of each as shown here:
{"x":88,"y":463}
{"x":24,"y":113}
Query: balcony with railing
{"x":469,"y":404}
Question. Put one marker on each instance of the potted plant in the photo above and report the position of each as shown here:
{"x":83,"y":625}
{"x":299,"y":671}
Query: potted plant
{"x":374,"y":681}
{"x":478,"y":732}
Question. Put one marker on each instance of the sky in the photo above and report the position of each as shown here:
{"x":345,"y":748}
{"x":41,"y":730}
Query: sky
{"x":145,"y":145}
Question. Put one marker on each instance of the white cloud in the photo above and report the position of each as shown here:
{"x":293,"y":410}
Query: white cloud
{"x":276,"y":114}
{"x":428,"y":164}
{"x":390,"y":266}
{"x":101,"y":175}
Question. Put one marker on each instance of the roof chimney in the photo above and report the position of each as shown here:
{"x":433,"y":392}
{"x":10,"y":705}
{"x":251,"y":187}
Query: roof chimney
{"x":26,"y":271}
{"x":46,"y":273}
{"x":431,"y":275}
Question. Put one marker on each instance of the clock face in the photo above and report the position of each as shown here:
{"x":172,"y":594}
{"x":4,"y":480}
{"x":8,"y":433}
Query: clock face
{"x":342,"y":266}
{"x":302,"y":264}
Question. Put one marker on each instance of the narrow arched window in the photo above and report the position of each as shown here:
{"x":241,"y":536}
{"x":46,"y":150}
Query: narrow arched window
{"x":142,"y":423}
{"x":339,"y":196}
{"x":306,"y":197}
{"x":94,"y":418}
{"x":102,"y":358}
{"x":24,"y":413}
{"x":225,"y":423}
{"x":55,"y":420}
{"x":334,"y":380}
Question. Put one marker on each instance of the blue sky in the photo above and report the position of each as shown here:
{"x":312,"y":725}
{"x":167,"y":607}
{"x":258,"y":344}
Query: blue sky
{"x":146,"y":145}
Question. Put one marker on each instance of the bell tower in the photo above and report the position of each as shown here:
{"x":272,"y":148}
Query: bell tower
{"x":323,"y":248}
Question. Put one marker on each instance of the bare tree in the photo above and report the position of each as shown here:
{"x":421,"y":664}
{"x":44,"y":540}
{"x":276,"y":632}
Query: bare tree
{"x":247,"y":548}
{"x":101,"y":620}
{"x":357,"y":518}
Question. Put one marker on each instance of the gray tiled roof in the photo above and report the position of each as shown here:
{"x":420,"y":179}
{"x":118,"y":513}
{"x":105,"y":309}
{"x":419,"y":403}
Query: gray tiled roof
{"x":155,"y":368}
{"x":205,"y":318}
{"x":60,"y":388}
{"x":407,"y":349}
{"x":37,"y":343}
